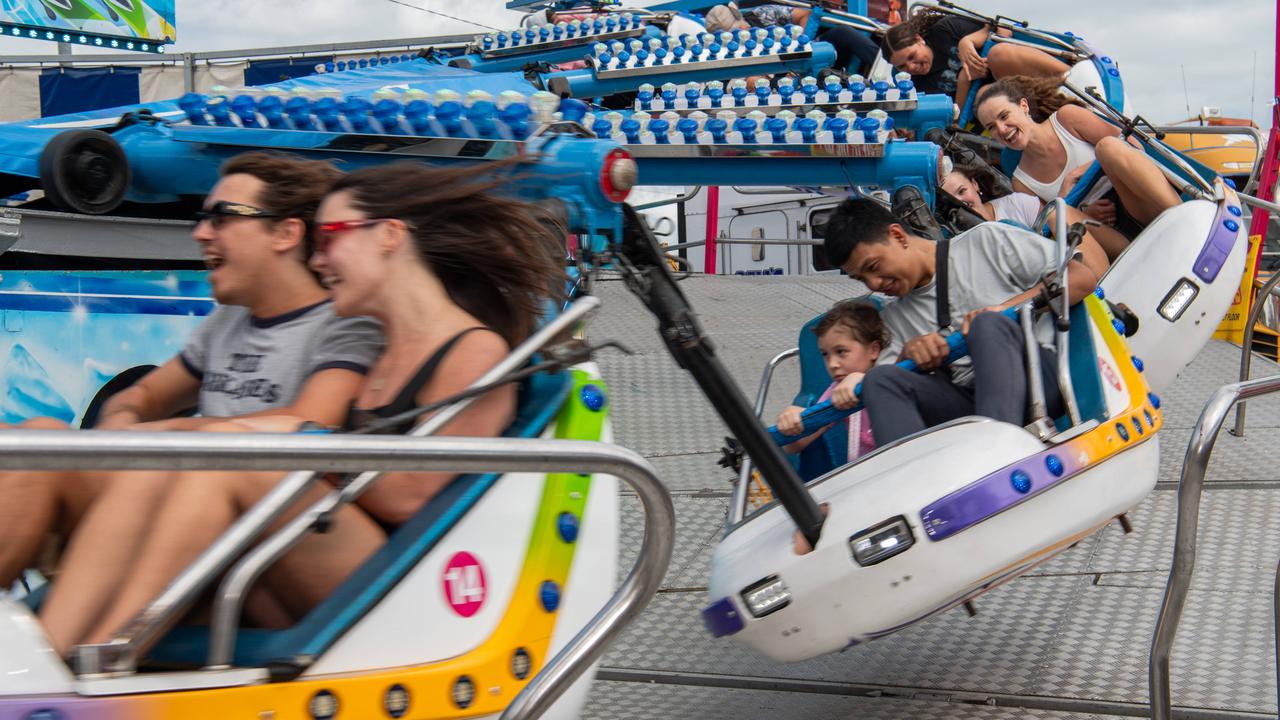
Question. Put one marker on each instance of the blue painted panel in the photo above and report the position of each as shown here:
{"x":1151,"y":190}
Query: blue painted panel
{"x":73,"y":90}
{"x":63,"y":335}
{"x":263,"y":72}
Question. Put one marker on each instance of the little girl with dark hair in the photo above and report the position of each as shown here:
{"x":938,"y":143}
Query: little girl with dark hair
{"x":850,"y":336}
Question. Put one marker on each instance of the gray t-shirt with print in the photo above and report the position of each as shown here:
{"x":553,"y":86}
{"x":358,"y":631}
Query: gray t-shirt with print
{"x":988,"y":265}
{"x":247,"y":364}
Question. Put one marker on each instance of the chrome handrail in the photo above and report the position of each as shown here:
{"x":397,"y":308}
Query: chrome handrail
{"x":1259,"y":139}
{"x":1196,"y":186}
{"x":1246,"y":346}
{"x":124,"y":450}
{"x":738,"y":504}
{"x":686,"y":196}
{"x":1190,"y":489}
{"x":1061,"y":338}
{"x":121,"y":652}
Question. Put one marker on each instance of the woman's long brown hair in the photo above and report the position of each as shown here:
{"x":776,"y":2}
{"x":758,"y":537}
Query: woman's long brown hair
{"x":904,"y":33}
{"x":499,"y":258}
{"x":1043,"y":94}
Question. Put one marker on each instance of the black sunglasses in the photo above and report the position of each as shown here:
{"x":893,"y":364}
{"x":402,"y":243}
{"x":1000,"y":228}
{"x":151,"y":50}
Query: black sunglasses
{"x":218,"y":213}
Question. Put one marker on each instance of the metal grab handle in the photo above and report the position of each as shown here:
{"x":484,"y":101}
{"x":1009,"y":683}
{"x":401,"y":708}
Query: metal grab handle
{"x":59,"y":450}
{"x":1246,"y":346}
{"x":1196,"y":186}
{"x":738,"y":505}
{"x":1190,"y":489}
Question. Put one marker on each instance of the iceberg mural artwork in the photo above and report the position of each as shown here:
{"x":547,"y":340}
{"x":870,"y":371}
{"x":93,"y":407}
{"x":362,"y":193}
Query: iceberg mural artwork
{"x":65,"y":335}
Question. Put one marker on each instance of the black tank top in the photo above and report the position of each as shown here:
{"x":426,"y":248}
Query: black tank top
{"x":407,"y":398}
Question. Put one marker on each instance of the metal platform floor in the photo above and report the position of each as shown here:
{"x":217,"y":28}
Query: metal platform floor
{"x":1069,"y":640}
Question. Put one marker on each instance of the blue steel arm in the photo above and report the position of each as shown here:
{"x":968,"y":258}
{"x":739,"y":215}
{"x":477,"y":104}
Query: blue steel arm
{"x":824,"y":413}
{"x":904,"y":163}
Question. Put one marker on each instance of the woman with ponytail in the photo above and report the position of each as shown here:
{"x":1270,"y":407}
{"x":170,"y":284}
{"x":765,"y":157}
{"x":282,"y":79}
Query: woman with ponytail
{"x":943,"y":54}
{"x":1059,"y":140}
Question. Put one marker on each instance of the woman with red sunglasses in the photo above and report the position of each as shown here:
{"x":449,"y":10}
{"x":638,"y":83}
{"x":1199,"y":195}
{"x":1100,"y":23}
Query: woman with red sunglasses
{"x":457,"y":275}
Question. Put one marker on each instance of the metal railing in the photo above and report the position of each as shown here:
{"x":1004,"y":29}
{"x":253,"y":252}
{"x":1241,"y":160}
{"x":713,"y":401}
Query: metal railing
{"x":1259,"y":140}
{"x":738,"y":504}
{"x":121,"y":652}
{"x":123,"y":450}
{"x":1190,"y":489}
{"x":1246,"y":346}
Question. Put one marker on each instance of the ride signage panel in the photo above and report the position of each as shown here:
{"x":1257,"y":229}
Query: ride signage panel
{"x":141,"y":25}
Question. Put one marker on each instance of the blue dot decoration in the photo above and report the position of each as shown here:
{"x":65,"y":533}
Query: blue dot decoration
{"x":1054,"y":464}
{"x":549,"y":594}
{"x":1234,"y":210}
{"x":1100,"y":293}
{"x":1113,"y":72}
{"x":1137,"y":425}
{"x":1230,"y":183}
{"x":46,"y":714}
{"x":1231,"y":225}
{"x":1155,"y":400}
{"x":1119,"y":326}
{"x":1122,"y":431}
{"x":1137,"y":363}
{"x":1020,"y":481}
{"x":593,"y":397}
{"x":567,"y":525}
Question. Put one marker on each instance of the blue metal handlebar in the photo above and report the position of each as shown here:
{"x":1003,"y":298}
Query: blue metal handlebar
{"x":822,"y":414}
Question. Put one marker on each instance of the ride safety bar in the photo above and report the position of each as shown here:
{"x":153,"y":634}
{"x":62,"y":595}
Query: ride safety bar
{"x":1190,"y":489}
{"x":738,"y":505}
{"x":1246,"y":346}
{"x":123,"y":450}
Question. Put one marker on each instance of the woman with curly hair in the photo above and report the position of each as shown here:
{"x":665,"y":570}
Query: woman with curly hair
{"x":1060,"y":139}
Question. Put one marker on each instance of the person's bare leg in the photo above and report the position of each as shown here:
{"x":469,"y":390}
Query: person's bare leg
{"x":1006,"y":59}
{"x":1143,"y":189}
{"x":201,"y":506}
{"x":1094,"y":246}
{"x":101,"y":552}
{"x":1112,"y":241}
{"x":34,"y":504}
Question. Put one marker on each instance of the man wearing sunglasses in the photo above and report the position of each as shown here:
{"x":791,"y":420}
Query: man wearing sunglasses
{"x":272,"y":346}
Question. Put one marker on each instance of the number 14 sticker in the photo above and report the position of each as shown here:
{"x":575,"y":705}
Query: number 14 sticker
{"x":464,"y":584}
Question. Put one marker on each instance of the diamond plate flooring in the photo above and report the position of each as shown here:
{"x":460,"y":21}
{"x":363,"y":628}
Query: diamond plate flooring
{"x":1073,"y":632}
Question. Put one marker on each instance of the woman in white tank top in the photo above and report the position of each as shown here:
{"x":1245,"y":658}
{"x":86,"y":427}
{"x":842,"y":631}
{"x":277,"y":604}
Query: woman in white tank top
{"x":970,"y":185}
{"x":1059,"y":141}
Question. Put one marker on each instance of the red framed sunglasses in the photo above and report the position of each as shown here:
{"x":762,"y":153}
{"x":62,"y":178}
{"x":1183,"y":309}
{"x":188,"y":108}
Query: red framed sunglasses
{"x":326,"y":232}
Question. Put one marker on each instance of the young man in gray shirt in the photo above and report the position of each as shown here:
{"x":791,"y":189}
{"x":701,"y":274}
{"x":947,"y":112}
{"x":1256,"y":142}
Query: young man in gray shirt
{"x":991,"y":267}
{"x":273,"y":346}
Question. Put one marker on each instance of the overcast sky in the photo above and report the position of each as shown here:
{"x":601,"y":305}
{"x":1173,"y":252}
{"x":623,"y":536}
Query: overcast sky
{"x":1215,"y":43}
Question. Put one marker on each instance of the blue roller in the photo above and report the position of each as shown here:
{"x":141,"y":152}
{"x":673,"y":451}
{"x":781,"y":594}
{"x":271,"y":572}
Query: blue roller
{"x":534,"y":54}
{"x":584,"y":83}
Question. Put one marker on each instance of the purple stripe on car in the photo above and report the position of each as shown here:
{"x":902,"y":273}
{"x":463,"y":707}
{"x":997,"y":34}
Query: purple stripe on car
{"x":1216,"y":250}
{"x":997,"y":492}
{"x":722,"y":618}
